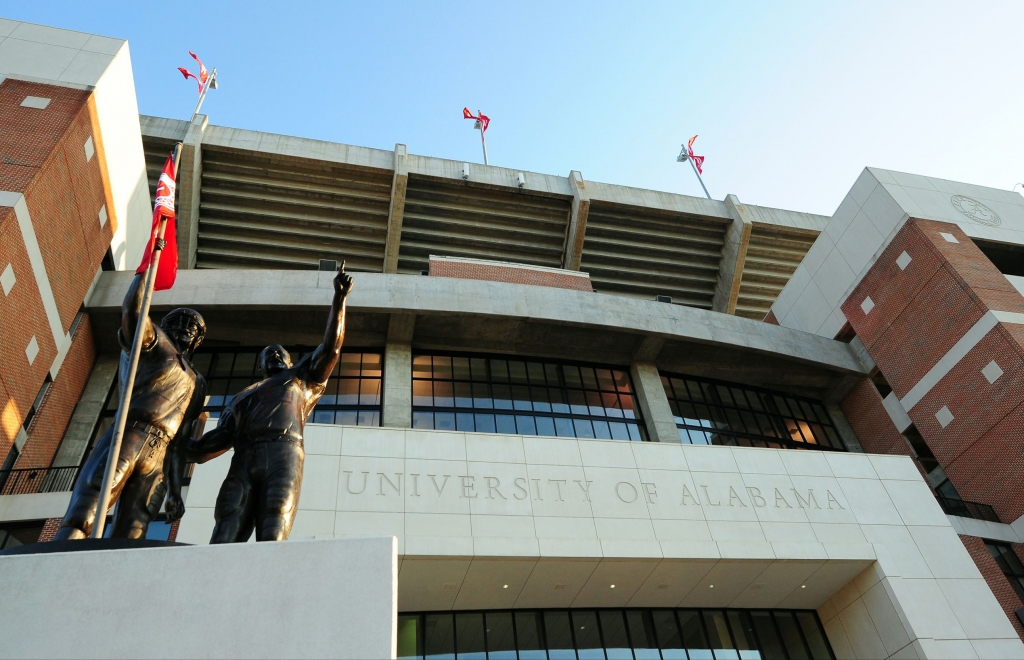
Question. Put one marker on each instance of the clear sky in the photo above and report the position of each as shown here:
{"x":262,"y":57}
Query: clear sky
{"x":790,"y":99}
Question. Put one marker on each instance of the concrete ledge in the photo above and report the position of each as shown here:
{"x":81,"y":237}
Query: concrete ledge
{"x":35,"y":506}
{"x":314,"y":599}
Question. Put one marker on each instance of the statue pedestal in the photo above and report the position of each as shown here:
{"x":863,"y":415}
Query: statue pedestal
{"x":314,"y":599}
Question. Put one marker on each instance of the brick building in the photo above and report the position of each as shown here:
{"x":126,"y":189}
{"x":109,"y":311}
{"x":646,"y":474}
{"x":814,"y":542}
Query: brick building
{"x":599,"y":421}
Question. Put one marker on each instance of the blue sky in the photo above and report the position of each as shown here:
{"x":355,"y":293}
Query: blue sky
{"x":790,"y":99}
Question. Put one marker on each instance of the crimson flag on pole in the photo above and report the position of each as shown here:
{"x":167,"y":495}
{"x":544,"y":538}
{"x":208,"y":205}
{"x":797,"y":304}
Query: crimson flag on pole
{"x":698,"y":161}
{"x":483,"y":119}
{"x":202,"y":78}
{"x":167,"y":270}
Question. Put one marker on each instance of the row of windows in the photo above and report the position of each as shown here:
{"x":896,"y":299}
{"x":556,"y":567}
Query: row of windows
{"x":530,"y":397}
{"x":613,"y":634}
{"x":714,"y":412}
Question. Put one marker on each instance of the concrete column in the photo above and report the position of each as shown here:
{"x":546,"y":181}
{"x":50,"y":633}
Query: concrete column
{"x":661,"y":426}
{"x":734,"y":257}
{"x":397,"y":408}
{"x":396,"y":211}
{"x":87,"y":411}
{"x":190,"y":174}
{"x":577,"y":230}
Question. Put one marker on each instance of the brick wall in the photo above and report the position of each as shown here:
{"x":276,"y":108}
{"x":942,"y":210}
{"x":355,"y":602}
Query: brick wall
{"x":866,"y":415}
{"x":51,"y":420}
{"x":770,"y":318}
{"x":507,"y":272}
{"x":50,"y":528}
{"x":997,"y":582}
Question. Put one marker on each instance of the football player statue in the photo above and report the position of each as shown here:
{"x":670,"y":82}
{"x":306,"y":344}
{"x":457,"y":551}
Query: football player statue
{"x":167,"y":399}
{"x":264,"y":425}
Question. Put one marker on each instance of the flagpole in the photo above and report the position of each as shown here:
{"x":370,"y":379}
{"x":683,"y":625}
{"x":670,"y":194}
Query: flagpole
{"x":483,"y":140}
{"x":698,"y":177}
{"x":212,"y":82}
{"x":128,"y":383}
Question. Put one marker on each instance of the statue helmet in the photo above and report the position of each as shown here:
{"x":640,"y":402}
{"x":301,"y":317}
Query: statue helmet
{"x":183,"y":317}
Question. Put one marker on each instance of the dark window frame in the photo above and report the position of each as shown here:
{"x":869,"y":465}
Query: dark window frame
{"x":770,"y":414}
{"x":630,"y":424}
{"x":1014,"y":574}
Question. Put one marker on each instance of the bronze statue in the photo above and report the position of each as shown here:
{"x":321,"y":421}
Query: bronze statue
{"x":167,"y":399}
{"x":264,"y":425}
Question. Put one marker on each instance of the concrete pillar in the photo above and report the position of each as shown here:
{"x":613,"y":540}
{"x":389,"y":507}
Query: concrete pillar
{"x":661,"y":426}
{"x":190,"y":174}
{"x":396,"y":211}
{"x":734,"y":257}
{"x":87,"y":411}
{"x":572,"y":255}
{"x":397,"y":408}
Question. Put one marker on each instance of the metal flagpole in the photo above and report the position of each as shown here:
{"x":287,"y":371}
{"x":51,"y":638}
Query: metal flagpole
{"x":212,"y":82}
{"x":129,"y":381}
{"x":685,"y":155}
{"x":483,"y":140}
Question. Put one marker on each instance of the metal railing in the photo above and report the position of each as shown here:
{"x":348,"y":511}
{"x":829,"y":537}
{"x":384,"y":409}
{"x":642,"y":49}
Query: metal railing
{"x":966,"y":509}
{"x":26,"y":481}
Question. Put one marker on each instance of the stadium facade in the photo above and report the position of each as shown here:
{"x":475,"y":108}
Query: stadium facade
{"x":600,"y":421}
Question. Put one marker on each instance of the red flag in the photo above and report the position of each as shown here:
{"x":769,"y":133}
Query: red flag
{"x":167,"y":270}
{"x":203,"y":76}
{"x":698,"y":161}
{"x":483,"y":119}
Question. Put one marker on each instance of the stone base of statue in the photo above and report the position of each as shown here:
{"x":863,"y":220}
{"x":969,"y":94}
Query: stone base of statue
{"x":314,"y":599}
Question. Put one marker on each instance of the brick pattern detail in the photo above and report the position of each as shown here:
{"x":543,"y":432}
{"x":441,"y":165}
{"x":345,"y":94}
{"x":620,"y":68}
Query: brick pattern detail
{"x":770,"y":317}
{"x":173,"y":534}
{"x":997,"y":582}
{"x":44,"y":158}
{"x":51,"y":420}
{"x":867,"y":416}
{"x":512,"y":273}
{"x":50,"y":528}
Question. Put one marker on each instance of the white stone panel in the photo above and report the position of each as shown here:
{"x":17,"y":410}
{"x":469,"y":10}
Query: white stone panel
{"x":7,"y":279}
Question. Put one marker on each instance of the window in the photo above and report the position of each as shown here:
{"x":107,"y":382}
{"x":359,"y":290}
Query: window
{"x":1010,"y":564}
{"x":615,"y":634}
{"x":526,"y":397}
{"x":14,"y":534}
{"x":709,"y":412}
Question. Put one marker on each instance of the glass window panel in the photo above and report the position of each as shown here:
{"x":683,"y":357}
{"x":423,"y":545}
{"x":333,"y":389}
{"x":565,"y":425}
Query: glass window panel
{"x":725,"y":396}
{"x":813,"y":636}
{"x":564,"y":428}
{"x":539,"y":396}
{"x":501,"y":643}
{"x":444,"y":421}
{"x":409,"y":637}
{"x":349,"y":364}
{"x":743,"y":634}
{"x":739,"y":397}
{"x":485,"y":423}
{"x":535,"y":370}
{"x":478,"y":368}
{"x":351,"y":418}
{"x":577,"y":402}
{"x":330,"y":395}
{"x":545,"y":426}
{"x":684,"y":436}
{"x":808,"y":411}
{"x":499,"y":371}
{"x":422,"y":393}
{"x":735,"y":422}
{"x":421,"y":367}
{"x":601,"y":430}
{"x":718,"y":635}
{"x":323,"y":416}
{"x":236,"y":385}
{"x":641,"y":634}
{"x":611,"y":404}
{"x":369,"y":392}
{"x":502,"y":397}
{"x":791,"y":636}
{"x":444,"y":395}
{"x":222,"y":365}
{"x":584,"y":428}
{"x":371,"y":365}
{"x":558,"y":402}
{"x":589,"y":379}
{"x":517,"y":372}
{"x":460,"y":368}
{"x":528,"y":636}
{"x":442,"y":367}
{"x":245,"y":365}
{"x":605,"y":382}
{"x":635,"y":433}
{"x":588,"y":637}
{"x":754,"y":399}
{"x":525,"y":425}
{"x":464,"y":422}
{"x":668,"y":635}
{"x":505,"y":424}
{"x":469,"y":636}
{"x":613,"y":631}
{"x":621,"y":380}
{"x":618,"y":431}
{"x":771,"y":645}
{"x":482,"y":396}
{"x":201,"y":362}
{"x":369,"y":418}
{"x":463,"y":395}
{"x":595,"y":404}
{"x":572,"y":376}
{"x":559,"y":636}
{"x":348,"y":391}
{"x":694,"y":640}
{"x":438,"y":637}
{"x":551,"y":374}
{"x":628,"y":406}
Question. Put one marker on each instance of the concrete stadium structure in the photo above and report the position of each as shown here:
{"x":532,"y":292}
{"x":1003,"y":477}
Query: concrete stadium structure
{"x":600,"y":421}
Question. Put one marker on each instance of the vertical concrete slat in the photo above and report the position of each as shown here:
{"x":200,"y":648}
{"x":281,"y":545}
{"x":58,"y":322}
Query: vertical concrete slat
{"x":576,"y":232}
{"x":734,"y":257}
{"x":396,"y":210}
{"x":190,"y":175}
{"x":397,"y":387}
{"x":87,"y":412}
{"x":661,"y":425}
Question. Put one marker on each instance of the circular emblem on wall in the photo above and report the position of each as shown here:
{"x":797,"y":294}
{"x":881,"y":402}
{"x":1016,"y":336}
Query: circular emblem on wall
{"x":975,"y":210}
